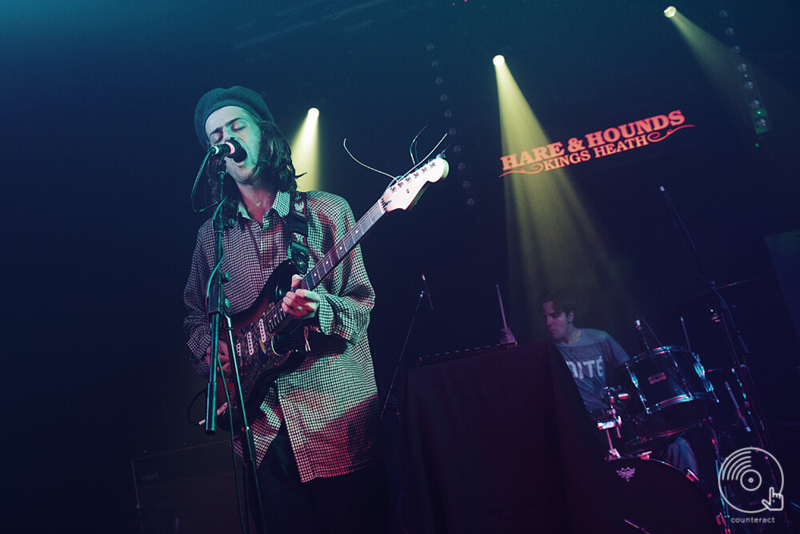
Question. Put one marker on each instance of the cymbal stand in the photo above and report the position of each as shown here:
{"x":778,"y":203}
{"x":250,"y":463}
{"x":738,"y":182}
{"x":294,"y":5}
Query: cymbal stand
{"x":733,"y":339}
{"x":736,"y":348}
{"x":721,"y":502}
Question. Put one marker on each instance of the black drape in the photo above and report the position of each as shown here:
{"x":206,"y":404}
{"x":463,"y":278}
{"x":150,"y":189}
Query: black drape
{"x":498,"y":440}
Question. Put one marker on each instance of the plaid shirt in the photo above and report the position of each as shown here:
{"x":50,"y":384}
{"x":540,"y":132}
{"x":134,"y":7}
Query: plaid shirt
{"x":330,"y":403}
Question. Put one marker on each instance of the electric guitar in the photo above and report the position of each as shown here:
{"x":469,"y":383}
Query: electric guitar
{"x":259,"y":330}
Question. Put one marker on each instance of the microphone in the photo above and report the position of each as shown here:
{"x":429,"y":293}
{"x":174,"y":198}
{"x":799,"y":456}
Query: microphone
{"x":229,"y":149}
{"x":427,"y":291}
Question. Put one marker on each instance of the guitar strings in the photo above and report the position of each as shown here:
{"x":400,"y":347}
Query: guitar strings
{"x":431,"y":152}
{"x":412,"y":149}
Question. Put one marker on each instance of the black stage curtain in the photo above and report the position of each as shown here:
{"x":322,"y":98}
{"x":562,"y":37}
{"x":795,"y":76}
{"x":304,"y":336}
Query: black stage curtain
{"x":499,"y":441}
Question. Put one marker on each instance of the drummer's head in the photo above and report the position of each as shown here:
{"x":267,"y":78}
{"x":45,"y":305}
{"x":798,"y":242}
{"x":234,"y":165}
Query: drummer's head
{"x":558,"y":309}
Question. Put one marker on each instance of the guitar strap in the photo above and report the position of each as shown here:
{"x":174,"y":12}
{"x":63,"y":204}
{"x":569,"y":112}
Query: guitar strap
{"x":298,"y":230}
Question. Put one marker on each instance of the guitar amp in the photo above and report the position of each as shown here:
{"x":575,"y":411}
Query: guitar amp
{"x":189,"y":490}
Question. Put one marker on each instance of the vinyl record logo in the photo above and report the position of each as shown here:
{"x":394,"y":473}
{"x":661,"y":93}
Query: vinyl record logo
{"x":748,"y":476}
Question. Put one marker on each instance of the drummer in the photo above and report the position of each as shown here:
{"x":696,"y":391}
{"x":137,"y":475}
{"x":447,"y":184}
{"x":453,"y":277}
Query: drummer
{"x":591,"y":356}
{"x":589,"y":353}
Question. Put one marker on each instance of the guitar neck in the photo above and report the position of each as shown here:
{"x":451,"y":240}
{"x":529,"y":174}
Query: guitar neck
{"x":276,"y":317}
{"x":343,"y":247}
{"x":402,"y":194}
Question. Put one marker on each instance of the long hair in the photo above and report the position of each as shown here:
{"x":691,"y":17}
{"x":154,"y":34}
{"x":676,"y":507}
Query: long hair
{"x":275,"y":162}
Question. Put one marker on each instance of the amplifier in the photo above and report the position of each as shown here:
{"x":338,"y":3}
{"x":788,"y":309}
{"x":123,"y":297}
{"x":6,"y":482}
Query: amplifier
{"x":191,"y":490}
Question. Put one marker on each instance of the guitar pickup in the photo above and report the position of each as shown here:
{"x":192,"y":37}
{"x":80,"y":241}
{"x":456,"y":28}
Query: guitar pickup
{"x":250,"y":348}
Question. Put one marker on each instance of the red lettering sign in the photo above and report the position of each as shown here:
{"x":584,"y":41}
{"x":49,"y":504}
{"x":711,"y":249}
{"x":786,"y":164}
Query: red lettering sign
{"x":599,"y":144}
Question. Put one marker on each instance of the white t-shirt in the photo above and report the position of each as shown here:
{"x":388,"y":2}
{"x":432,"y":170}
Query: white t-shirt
{"x":589,"y":359}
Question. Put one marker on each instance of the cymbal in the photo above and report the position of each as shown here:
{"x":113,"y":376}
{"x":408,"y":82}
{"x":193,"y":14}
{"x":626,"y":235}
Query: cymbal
{"x":725,"y":287}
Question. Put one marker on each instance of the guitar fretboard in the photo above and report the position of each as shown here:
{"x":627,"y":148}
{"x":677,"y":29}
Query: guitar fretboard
{"x":276,"y":315}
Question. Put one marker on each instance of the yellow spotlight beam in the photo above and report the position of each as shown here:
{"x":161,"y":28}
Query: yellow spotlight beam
{"x":715,"y":58}
{"x":552,"y":240}
{"x":729,"y":73}
{"x":305,"y":152}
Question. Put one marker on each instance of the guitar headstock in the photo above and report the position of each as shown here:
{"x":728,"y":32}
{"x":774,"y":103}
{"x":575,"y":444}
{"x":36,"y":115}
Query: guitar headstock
{"x":404,"y":193}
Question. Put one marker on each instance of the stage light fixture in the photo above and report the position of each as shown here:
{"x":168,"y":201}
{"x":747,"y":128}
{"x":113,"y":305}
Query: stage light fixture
{"x":498,"y":60}
{"x":670,"y":12}
{"x":305,"y":152}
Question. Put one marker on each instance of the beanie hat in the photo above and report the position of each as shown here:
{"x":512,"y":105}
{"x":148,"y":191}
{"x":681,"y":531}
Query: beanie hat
{"x":234,"y":96}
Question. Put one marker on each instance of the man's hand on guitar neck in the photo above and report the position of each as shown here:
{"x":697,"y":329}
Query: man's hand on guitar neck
{"x":300,"y":303}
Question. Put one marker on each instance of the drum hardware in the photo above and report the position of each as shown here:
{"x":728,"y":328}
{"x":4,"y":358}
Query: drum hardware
{"x":607,"y":425}
{"x":739,"y":353}
{"x":642,"y":336}
{"x":611,"y":419}
{"x":720,"y":501}
{"x":691,"y":476}
{"x":737,"y":409}
{"x":722,"y":316}
{"x":686,"y":334}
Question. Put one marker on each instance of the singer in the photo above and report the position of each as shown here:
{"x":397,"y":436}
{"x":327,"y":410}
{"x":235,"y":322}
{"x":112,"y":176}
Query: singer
{"x":316,"y":429}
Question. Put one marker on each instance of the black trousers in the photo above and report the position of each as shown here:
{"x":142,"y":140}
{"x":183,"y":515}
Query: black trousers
{"x":354,"y":503}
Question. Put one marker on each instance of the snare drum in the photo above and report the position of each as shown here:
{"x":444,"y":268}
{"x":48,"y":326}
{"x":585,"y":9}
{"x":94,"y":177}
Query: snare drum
{"x":669,"y":392}
{"x":655,"y":497}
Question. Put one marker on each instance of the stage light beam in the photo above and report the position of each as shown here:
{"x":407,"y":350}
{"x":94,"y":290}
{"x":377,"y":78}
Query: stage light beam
{"x":552,"y":240}
{"x":730,"y":74}
{"x":305,"y":152}
{"x":670,"y":12}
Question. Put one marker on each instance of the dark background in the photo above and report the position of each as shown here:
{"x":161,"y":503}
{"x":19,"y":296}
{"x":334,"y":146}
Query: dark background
{"x":100,"y":155}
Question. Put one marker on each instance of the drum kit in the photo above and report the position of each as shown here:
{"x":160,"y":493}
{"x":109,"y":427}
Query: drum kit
{"x":663,"y":397}
{"x":661,"y":393}
{"x":664,"y":392}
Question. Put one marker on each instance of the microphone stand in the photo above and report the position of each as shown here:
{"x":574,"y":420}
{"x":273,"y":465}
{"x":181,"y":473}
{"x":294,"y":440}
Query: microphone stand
{"x":217,"y":310}
{"x":389,"y":396}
